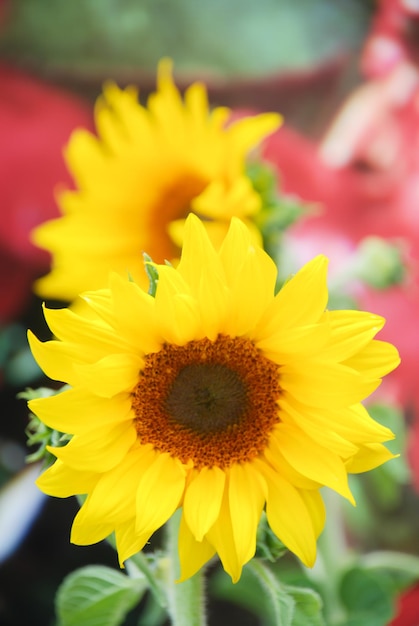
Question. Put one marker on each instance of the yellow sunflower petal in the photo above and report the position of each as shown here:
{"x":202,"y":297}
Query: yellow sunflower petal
{"x":319,"y":427}
{"x":193,"y":554}
{"x":351,"y":331}
{"x":135,"y":319}
{"x":196,"y":102}
{"x":113,"y":496}
{"x":221,"y":537}
{"x":217,"y":203}
{"x":311,"y":459}
{"x":316,"y":508}
{"x":128,"y":542}
{"x":251,"y":280}
{"x":247,"y":494}
{"x":70,"y":327}
{"x":63,"y":481}
{"x":197,"y":253}
{"x":97,"y":450}
{"x":217,"y":232}
{"x":290,"y":519}
{"x":351,"y":423}
{"x":213,"y":298}
{"x":326,"y":384}
{"x":201,"y":268}
{"x":234,"y":250}
{"x":251,"y":291}
{"x":369,"y":456}
{"x":300,"y":302}
{"x":110,"y":375}
{"x":75,"y":411}
{"x":276,"y":459}
{"x":93,"y":304}
{"x":175,"y":309}
{"x":83,"y":534}
{"x":83,"y":143}
{"x":375,"y":360}
{"x":56,"y":359}
{"x":290,"y":344}
{"x":109,"y":122}
{"x":159,"y":492}
{"x":202,"y":501}
{"x":248,"y":131}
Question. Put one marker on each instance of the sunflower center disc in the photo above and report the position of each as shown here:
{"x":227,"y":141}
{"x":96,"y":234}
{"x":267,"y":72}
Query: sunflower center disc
{"x":207,"y":397}
{"x":210,"y":402}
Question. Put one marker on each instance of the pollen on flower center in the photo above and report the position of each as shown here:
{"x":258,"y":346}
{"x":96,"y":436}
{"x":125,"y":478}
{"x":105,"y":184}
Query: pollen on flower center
{"x":210,"y":402}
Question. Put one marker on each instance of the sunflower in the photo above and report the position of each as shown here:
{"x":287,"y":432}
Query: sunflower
{"x":136,"y":182}
{"x":216,"y":396}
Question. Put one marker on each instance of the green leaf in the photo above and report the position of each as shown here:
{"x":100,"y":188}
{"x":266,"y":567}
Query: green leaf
{"x":370,"y":589}
{"x":96,"y":595}
{"x":367,"y":596}
{"x":308,"y":606}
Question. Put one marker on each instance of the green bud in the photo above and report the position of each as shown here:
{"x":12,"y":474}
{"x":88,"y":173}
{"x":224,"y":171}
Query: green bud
{"x":379,"y":263}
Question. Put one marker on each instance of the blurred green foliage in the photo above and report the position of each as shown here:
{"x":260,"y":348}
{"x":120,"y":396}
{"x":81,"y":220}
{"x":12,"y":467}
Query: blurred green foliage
{"x":238,"y":38}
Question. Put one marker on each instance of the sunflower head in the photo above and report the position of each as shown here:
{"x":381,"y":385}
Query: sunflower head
{"x":137,"y":180}
{"x":217,"y":397}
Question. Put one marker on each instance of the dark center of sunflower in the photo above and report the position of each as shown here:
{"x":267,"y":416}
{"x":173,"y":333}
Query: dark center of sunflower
{"x":207,"y":397}
{"x":210,"y":402}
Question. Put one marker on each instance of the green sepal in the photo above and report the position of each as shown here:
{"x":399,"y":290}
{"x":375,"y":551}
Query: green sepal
{"x":268,"y":546}
{"x":38,"y":434}
{"x":152,"y":274}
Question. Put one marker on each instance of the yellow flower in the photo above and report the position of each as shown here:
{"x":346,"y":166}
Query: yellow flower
{"x":137,"y":181}
{"x":216,"y":396}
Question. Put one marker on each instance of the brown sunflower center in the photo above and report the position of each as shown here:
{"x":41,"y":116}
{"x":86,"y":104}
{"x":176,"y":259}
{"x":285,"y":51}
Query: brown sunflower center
{"x":209,"y":402}
{"x":207,"y":397}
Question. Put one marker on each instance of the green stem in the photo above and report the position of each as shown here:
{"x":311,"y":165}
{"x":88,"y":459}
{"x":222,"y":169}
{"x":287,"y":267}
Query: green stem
{"x":281,"y":604}
{"x":332,"y":557}
{"x":149,"y":570}
{"x":186,"y":600}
